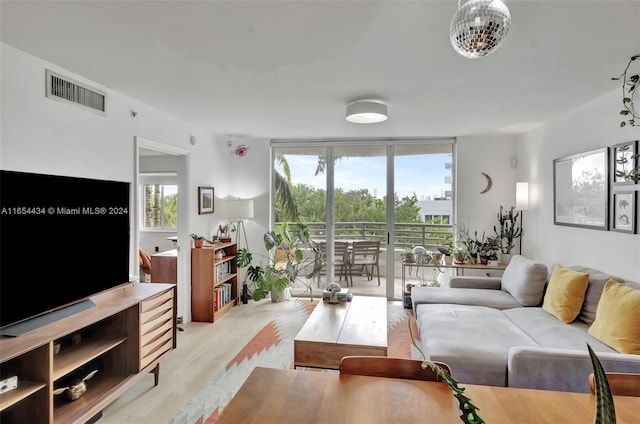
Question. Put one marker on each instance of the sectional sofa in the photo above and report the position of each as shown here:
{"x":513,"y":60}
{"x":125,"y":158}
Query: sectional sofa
{"x":515,"y":330}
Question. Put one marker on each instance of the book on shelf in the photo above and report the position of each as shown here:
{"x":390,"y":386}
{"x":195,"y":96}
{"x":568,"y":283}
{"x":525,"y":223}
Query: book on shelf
{"x":223,"y":294}
{"x":222,"y":270}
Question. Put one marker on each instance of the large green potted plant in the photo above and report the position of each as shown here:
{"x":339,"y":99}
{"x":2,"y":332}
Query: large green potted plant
{"x":290,"y":251}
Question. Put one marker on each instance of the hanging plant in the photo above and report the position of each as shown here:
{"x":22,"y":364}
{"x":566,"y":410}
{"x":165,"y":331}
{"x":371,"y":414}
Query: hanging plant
{"x":629,"y":86}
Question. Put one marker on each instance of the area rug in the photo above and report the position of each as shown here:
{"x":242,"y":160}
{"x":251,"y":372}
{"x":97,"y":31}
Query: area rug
{"x":273,"y":347}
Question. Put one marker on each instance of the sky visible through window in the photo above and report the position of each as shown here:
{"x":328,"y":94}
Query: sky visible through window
{"x":423,"y":175}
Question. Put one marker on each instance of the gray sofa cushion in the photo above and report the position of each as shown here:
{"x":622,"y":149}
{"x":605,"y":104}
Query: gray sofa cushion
{"x":597,"y":279}
{"x":525,"y":279}
{"x":481,"y":297}
{"x":548,"y":331}
{"x":473,"y":340}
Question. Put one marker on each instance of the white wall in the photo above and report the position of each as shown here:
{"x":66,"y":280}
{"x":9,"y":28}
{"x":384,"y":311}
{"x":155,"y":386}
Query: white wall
{"x":591,"y":126}
{"x":41,"y":135}
{"x":493,"y":156}
{"x":248,"y":178}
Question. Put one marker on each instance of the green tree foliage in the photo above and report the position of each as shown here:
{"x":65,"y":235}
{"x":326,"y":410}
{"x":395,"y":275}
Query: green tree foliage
{"x":171,"y":211}
{"x":286,"y":208}
{"x":352,"y":206}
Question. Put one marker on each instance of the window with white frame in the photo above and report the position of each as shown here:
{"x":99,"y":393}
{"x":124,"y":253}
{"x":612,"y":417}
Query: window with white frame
{"x":158,"y":201}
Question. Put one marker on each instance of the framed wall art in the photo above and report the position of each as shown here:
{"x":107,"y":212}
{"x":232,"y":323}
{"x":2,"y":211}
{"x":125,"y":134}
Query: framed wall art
{"x":205,"y":200}
{"x":581,"y":190}
{"x":624,"y":160}
{"x":624,"y":212}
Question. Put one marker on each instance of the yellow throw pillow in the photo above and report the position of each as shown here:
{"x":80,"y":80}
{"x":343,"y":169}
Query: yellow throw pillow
{"x":565,"y":293}
{"x":617,"y":321}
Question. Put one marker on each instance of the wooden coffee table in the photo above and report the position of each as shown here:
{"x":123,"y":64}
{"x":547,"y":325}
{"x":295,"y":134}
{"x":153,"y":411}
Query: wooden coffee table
{"x":332,"y":331}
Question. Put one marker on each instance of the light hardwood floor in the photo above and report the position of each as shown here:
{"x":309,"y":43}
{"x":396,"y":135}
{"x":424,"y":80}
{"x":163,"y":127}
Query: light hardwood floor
{"x":203,"y":350}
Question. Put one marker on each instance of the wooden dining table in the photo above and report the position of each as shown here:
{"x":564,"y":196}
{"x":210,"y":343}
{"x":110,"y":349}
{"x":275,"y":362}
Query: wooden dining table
{"x":278,"y":396}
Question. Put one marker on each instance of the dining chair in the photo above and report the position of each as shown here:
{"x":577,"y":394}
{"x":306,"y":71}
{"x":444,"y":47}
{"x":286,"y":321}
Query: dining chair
{"x":365,"y":255}
{"x":621,"y":384}
{"x":340,"y":259}
{"x":384,"y":366}
{"x":145,"y":265}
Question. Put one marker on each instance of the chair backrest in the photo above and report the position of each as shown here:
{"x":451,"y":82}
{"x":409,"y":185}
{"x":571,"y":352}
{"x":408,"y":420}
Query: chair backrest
{"x":384,"y":366}
{"x":340,"y":250}
{"x":365,"y":250}
{"x":621,"y":384}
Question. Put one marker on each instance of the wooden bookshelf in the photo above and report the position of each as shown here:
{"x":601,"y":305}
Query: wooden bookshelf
{"x":214,"y":282}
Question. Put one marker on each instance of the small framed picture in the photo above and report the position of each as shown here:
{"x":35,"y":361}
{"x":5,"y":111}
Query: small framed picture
{"x":624,"y":212}
{"x":205,"y":200}
{"x":625,"y":159}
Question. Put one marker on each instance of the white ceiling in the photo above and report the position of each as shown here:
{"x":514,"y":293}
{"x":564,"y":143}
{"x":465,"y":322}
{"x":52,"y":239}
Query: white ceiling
{"x":287,"y":69}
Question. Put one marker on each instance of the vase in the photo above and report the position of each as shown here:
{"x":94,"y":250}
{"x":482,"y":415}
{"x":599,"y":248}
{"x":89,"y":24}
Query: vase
{"x":505,"y":258}
{"x":278,"y":296}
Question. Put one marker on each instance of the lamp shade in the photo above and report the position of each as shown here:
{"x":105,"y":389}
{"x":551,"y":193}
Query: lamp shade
{"x":478,"y":27}
{"x":366,"y":112}
{"x":522,"y":196}
{"x":239,"y":208}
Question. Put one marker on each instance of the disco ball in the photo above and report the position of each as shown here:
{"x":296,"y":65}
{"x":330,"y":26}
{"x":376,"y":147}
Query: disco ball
{"x":479,"y":26}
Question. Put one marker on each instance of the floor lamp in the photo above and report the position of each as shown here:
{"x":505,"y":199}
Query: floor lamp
{"x":522,"y":204}
{"x":239,"y":210}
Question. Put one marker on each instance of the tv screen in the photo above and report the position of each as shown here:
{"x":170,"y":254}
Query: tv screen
{"x":62,"y":240}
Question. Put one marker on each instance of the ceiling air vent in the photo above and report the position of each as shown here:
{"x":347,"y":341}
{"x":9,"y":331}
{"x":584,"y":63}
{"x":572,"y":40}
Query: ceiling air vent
{"x":67,"y":90}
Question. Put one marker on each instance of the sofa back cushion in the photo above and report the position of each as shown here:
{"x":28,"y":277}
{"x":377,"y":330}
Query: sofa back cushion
{"x":525,"y":279}
{"x":618,"y":318}
{"x":597,"y":279}
{"x":565,"y":293}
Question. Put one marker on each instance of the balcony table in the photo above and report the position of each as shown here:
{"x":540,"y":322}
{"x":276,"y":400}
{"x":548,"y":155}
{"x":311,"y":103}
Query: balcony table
{"x":271,"y":395}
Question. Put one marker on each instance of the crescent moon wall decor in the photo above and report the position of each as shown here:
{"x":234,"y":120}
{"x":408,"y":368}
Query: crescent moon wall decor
{"x":489,"y":183}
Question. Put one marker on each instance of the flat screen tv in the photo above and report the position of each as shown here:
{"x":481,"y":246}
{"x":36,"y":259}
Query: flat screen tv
{"x":62,"y":240}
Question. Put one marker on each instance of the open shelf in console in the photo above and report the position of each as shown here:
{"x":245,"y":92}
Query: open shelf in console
{"x":76,"y":356}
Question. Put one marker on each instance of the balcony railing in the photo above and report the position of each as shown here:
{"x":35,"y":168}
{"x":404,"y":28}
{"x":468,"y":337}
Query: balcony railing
{"x":430,"y":236}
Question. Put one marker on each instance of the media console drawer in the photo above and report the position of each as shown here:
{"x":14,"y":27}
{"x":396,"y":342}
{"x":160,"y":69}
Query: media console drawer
{"x":156,"y":327}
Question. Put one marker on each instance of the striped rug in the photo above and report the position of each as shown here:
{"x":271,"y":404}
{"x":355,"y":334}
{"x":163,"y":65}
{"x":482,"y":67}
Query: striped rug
{"x":273,"y":347}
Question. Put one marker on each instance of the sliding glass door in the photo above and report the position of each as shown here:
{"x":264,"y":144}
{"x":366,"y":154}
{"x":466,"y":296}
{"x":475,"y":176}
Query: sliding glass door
{"x":340,"y":189}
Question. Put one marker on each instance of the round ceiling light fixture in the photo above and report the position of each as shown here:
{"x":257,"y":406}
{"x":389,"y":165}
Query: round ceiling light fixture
{"x":478,"y":27}
{"x":366,"y":111}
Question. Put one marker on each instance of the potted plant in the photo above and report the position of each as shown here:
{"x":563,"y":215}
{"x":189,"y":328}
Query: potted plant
{"x":458,"y":255}
{"x":282,"y":265}
{"x":507,"y":231}
{"x":198,"y":241}
{"x":491,"y":249}
{"x":463,"y":243}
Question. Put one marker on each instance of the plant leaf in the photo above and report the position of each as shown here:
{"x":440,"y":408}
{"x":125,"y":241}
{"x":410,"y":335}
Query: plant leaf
{"x":605,"y":409}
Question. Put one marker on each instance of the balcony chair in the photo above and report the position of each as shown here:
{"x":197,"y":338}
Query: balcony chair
{"x":621,"y":384}
{"x":340,"y":259}
{"x":384,"y":366}
{"x":365,"y":255}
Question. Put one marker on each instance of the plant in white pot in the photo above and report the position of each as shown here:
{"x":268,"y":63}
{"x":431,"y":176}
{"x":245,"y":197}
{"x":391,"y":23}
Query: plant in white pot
{"x":289,"y":252}
{"x":507,"y":231}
